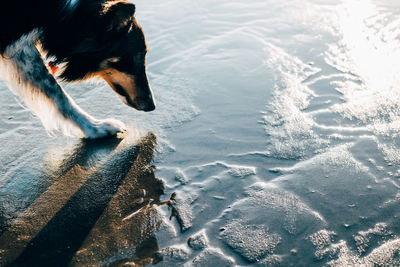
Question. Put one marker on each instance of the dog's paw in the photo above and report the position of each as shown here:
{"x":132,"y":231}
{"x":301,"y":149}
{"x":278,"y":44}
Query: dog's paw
{"x":104,"y":128}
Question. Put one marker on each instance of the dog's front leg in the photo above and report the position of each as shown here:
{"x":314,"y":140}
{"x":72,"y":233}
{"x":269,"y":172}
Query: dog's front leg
{"x":23,"y":69}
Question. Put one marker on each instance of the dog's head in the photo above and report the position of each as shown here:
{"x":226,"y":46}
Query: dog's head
{"x":125,"y":72}
{"x":116,"y":52}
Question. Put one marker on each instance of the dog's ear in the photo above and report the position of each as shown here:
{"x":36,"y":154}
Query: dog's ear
{"x":119,"y":15}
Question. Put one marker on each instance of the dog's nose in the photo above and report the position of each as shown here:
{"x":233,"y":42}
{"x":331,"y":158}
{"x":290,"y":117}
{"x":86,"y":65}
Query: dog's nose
{"x":150,"y":103}
{"x":150,"y":107}
{"x":144,"y":104}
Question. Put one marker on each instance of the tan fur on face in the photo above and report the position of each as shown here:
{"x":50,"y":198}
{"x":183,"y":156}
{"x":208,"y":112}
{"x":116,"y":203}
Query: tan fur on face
{"x":127,"y":82}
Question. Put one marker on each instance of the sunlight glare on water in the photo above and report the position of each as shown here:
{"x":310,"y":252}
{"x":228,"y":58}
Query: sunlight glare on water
{"x":369,"y":51}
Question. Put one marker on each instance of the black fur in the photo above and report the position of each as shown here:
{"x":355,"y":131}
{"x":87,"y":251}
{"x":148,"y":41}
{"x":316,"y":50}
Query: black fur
{"x":82,"y":38}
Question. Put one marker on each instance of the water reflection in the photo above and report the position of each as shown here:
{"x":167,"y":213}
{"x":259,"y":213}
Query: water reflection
{"x":94,"y":213}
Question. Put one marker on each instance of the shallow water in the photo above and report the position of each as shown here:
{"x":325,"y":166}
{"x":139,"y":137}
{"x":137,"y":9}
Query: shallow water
{"x":275,"y":142}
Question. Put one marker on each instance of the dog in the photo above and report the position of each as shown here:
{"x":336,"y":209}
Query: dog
{"x":86,"y":38}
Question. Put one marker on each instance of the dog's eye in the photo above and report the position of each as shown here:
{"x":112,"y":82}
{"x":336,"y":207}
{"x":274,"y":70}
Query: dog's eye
{"x":108,"y":72}
{"x":114,"y":59}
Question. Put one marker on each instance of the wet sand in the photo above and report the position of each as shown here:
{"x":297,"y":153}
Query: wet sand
{"x":274,"y":143}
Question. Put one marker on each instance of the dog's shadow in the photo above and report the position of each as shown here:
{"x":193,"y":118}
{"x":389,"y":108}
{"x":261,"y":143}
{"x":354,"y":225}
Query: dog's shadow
{"x":98,"y":212}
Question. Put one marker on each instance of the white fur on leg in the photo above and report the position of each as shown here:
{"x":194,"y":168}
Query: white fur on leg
{"x":24,"y":71}
{"x":37,"y":102}
{"x":104,"y":128}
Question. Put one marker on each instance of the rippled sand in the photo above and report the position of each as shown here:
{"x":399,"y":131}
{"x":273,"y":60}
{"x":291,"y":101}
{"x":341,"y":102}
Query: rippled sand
{"x":275,"y":143}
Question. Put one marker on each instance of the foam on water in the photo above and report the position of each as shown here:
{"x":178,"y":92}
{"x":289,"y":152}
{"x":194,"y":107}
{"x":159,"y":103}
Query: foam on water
{"x":199,"y":240}
{"x":254,"y":231}
{"x":175,"y":254}
{"x":363,"y":238}
{"x":212,"y":256}
{"x":245,"y":240}
{"x":335,"y":181}
{"x":288,"y":127}
{"x":384,"y":255}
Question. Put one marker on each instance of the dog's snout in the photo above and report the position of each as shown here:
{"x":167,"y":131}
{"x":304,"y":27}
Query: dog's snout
{"x":150,"y":107}
{"x":144,"y":104}
{"x":151,"y":104}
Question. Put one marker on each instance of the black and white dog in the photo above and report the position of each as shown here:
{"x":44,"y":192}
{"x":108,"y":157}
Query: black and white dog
{"x":86,"y":38}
